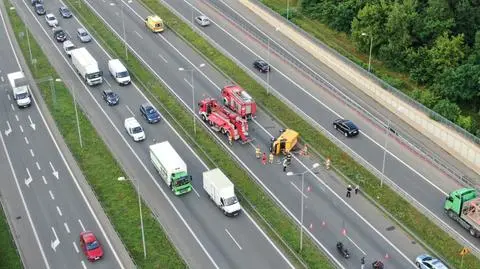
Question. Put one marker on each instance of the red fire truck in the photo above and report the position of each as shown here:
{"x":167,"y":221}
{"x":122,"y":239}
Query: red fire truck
{"x":223,"y":120}
{"x":238,"y":100}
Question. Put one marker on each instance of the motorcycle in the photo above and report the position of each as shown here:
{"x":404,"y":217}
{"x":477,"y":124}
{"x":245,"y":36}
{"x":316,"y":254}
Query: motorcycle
{"x":343,"y":250}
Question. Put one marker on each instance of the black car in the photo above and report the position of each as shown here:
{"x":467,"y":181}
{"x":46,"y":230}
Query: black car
{"x":34,"y":2}
{"x":150,"y":113}
{"x":40,"y":9}
{"x":59,"y":34}
{"x":65,"y":12}
{"x":261,"y":65}
{"x":346,"y":127}
{"x":110,"y":97}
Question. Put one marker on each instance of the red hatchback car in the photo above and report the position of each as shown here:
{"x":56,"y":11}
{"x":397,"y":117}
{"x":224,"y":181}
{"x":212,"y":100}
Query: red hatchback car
{"x":91,"y":247}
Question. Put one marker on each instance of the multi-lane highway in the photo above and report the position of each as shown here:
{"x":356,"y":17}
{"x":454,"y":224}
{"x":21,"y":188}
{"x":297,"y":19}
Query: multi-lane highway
{"x":420,"y":181}
{"x":201,"y":233}
{"x":53,"y":195}
{"x":327,"y":212}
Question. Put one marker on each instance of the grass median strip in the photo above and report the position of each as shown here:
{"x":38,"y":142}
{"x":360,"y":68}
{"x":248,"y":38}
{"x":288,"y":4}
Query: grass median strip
{"x":203,"y":143}
{"x":8,"y":250}
{"x":118,"y":199}
{"x":407,"y":214}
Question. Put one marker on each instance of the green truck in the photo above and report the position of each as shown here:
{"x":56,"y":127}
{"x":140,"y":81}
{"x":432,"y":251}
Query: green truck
{"x":463,"y":206}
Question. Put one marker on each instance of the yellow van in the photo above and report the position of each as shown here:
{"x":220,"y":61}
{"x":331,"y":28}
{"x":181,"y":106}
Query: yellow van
{"x":285,"y":142}
{"x":154,"y":23}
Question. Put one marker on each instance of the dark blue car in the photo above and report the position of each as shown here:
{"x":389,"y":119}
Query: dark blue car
{"x":150,"y":113}
{"x":65,"y":12}
{"x":347,"y":127}
{"x":110,"y":97}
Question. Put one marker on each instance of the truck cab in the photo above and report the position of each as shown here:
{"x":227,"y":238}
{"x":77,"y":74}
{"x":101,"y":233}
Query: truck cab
{"x":154,"y":23}
{"x":134,"y":129}
{"x":463,"y":206}
{"x":20,"y":89}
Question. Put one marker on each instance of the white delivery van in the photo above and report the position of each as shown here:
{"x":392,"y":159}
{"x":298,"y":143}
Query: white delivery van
{"x":134,"y":129}
{"x":20,"y":89}
{"x":221,"y":191}
{"x":119,"y":72}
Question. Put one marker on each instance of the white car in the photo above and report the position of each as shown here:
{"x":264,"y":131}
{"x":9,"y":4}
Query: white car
{"x":51,"y":20}
{"x":68,"y":46}
{"x":134,"y":129}
{"x":425,"y":261}
{"x":202,"y":20}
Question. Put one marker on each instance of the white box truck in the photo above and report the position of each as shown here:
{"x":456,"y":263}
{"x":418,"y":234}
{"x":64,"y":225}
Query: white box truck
{"x":119,"y":72}
{"x":221,"y":191}
{"x":86,"y":66}
{"x":171,"y":167}
{"x":20,"y":89}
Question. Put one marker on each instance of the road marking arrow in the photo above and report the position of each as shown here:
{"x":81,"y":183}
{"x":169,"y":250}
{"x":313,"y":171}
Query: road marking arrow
{"x":54,"y":243}
{"x":31,"y":123}
{"x":9,"y":130}
{"x":55,"y":173}
{"x":29,"y":179}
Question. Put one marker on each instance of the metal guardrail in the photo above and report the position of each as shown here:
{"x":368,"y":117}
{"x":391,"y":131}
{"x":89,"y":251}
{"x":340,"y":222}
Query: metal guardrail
{"x":377,"y":119}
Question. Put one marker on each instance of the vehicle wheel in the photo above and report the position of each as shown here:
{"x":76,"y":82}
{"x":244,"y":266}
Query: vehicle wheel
{"x":225,"y":101}
{"x":473,"y":232}
{"x":418,"y":264}
{"x":223,"y":130}
{"x":451,"y":214}
{"x":346,"y":134}
{"x":204,"y":118}
{"x":335,"y":127}
{"x":210,"y":122}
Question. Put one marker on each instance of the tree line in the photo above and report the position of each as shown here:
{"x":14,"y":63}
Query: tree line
{"x":435,"y":42}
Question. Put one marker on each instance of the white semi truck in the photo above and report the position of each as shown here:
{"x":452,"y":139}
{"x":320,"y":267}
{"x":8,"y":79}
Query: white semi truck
{"x":20,"y":89}
{"x":221,"y":191}
{"x":86,"y":66}
{"x":171,"y":167}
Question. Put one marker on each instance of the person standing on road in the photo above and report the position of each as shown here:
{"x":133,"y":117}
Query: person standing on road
{"x":285,"y":163}
{"x":349,"y":191}
{"x":362,"y":263}
{"x":264,"y":158}
{"x":270,"y":158}
{"x":357,"y":189}
{"x":257,"y":152}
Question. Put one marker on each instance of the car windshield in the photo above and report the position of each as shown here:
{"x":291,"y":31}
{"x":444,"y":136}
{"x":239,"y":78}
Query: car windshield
{"x":350,"y":125}
{"x":122,"y":74}
{"x":181,"y":181}
{"x":110,"y":95}
{"x":230,"y":201}
{"x":22,"y":95}
{"x":94,"y":75}
{"x":93,"y":245}
{"x":137,"y":130}
{"x":151,"y":111}
{"x":83,"y":33}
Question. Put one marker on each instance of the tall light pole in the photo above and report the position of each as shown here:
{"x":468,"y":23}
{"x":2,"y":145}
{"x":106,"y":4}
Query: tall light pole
{"x":137,"y":184}
{"x":76,"y":113}
{"x":288,"y":3}
{"x":385,"y":151}
{"x":371,"y":45}
{"x":124,"y":32}
{"x":181,"y":69}
{"x":315,"y":165}
{"x":268,"y":57}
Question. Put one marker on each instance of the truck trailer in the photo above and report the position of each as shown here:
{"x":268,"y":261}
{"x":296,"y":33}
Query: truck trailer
{"x":86,"y":66}
{"x":20,"y":89}
{"x":221,"y":191}
{"x":171,"y":167}
{"x":463,"y":206}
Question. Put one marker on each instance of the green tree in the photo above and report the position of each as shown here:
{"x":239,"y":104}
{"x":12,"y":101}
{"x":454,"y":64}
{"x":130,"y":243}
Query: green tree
{"x":461,"y":84}
{"x":447,"y":52}
{"x":425,"y":97}
{"x":436,"y":19}
{"x":447,"y":109}
{"x":466,"y":123}
{"x":467,"y":19}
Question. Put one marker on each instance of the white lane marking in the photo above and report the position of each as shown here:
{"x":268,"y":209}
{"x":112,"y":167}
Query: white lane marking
{"x":163,"y":58}
{"x":81,"y":225}
{"x":54,"y":243}
{"x":129,"y":110}
{"x":8,"y":95}
{"x":38,"y":166}
{"x":350,"y":239}
{"x":13,"y":107}
{"x":231,"y":236}
{"x":44,"y":180}
{"x":1,"y":78}
{"x":195,"y":191}
{"x":26,"y":140}
{"x":31,"y":123}
{"x":193,"y":152}
{"x":16,"y":117}
{"x":31,"y":153}
{"x":21,"y":128}
{"x":185,"y":79}
{"x":54,"y":172}
{"x":29,"y":179}
{"x":298,"y":189}
{"x":59,"y":211}
{"x":108,"y":83}
{"x":75,"y":247}
{"x":51,"y":194}
{"x":9,"y":130}
{"x":66,"y":227}
{"x":83,"y":264}
{"x":138,"y":34}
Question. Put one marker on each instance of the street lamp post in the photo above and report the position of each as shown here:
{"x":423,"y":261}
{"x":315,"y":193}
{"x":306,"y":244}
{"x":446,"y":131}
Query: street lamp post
{"x":315,"y":165}
{"x":371,"y":46}
{"x":385,"y":151}
{"x":137,"y":184}
{"x":193,"y":93}
{"x":124,"y":32}
{"x":288,"y":3}
{"x":268,"y":59}
{"x":76,"y":112}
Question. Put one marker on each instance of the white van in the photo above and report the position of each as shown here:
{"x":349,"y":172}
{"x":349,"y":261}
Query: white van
{"x":119,"y":72}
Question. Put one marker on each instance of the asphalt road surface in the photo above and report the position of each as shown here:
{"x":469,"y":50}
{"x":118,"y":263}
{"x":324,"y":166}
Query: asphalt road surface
{"x":423,"y":183}
{"x":201,"y":233}
{"x":327,"y":213}
{"x":37,"y":176}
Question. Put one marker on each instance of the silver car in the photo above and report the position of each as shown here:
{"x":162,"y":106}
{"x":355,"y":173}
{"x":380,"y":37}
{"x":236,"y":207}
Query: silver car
{"x":425,"y":261}
{"x":83,"y":35}
{"x":51,"y":20}
{"x":202,"y":20}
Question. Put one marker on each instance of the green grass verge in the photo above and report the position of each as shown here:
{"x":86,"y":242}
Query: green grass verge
{"x":206,"y":146}
{"x":405,"y":213}
{"x":118,"y":199}
{"x":8,"y":250}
